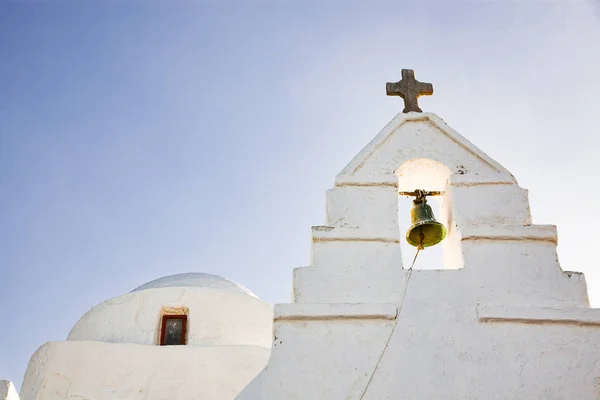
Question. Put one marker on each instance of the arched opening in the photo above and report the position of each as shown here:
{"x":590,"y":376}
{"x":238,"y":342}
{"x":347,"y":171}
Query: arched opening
{"x":422,"y":173}
{"x":429,"y":175}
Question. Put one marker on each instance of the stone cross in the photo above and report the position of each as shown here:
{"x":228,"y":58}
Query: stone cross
{"x":409,"y":89}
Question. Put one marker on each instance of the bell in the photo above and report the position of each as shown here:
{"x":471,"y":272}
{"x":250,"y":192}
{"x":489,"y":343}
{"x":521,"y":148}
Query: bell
{"x":425,"y":231}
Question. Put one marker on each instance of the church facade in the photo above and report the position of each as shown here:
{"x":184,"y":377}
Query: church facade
{"x":500,"y":320}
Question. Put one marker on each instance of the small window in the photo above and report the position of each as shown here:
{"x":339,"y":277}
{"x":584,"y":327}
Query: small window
{"x":173,"y":330}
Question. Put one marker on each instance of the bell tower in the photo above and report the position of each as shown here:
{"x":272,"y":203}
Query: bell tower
{"x":496,"y":317}
{"x":356,"y":254}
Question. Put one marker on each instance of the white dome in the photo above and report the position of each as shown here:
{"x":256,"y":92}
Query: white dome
{"x":219,"y":313}
{"x":196,"y":279}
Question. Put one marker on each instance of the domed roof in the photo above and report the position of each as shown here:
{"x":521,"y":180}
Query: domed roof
{"x":196,"y":279}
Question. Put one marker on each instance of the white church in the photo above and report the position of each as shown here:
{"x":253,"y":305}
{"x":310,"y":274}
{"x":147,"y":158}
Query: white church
{"x":499,"y":320}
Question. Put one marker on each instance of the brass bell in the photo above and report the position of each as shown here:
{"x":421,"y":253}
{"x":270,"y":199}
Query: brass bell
{"x":424,"y":231}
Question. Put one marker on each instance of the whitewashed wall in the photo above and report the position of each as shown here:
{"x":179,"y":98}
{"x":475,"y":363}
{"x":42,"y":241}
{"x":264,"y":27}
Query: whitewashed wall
{"x":109,"y":371}
{"x":8,"y":391}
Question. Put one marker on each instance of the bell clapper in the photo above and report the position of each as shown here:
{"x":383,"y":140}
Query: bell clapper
{"x":421,"y":240}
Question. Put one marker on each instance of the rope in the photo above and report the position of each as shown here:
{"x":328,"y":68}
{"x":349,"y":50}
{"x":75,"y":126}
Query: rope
{"x":398,"y":310}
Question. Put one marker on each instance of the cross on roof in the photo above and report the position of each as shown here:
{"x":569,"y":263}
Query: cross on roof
{"x":409,"y":89}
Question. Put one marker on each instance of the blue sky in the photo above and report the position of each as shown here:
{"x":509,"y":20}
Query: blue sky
{"x":139,"y":140}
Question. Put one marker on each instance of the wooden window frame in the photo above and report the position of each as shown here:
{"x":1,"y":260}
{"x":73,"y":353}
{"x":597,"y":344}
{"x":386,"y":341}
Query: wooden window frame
{"x":163,"y":326}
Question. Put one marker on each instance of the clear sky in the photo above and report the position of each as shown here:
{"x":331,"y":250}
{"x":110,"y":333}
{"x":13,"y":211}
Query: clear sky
{"x":142,"y":139}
